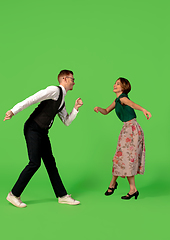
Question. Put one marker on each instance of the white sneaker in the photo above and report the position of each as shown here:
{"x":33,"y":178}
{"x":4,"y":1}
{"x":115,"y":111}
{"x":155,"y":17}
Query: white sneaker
{"x":16,"y":201}
{"x":68,"y":200}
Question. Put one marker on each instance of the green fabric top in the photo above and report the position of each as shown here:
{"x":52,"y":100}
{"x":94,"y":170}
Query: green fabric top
{"x":124,"y":112}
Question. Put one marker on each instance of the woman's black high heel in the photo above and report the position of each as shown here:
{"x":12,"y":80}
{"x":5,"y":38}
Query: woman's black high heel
{"x":110,"y":193}
{"x":136,"y":194}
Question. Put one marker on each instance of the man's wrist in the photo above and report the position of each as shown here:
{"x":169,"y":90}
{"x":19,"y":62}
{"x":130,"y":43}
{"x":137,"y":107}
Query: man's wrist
{"x":76,"y":108}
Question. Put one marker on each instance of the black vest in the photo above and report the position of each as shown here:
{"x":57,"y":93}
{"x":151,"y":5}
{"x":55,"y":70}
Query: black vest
{"x":44,"y":114}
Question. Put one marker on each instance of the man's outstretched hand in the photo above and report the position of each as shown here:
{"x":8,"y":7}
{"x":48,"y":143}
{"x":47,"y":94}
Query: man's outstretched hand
{"x":8,"y":115}
{"x":78,"y":103}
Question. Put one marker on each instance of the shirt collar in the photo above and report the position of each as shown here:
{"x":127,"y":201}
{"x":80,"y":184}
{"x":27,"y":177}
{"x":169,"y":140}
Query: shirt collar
{"x":64,"y":91}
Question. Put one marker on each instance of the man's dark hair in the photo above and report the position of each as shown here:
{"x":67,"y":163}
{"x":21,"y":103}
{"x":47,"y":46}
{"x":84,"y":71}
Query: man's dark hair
{"x":65,"y":73}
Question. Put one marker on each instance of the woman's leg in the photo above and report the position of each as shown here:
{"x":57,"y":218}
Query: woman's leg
{"x":131,"y":181}
{"x":112,"y":183}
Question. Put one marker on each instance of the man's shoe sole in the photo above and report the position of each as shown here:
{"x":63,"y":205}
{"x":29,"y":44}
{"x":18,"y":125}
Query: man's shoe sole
{"x":69,"y":203}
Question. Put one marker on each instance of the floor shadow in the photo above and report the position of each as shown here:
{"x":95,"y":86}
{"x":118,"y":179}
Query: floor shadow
{"x":85,"y":184}
{"x":89,"y":183}
{"x":46,"y":200}
{"x":155,"y":189}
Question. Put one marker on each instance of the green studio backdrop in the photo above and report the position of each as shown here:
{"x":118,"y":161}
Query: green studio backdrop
{"x":99,"y":41}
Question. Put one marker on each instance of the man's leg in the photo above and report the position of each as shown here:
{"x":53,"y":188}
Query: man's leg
{"x":34,"y":145}
{"x":52,"y":170}
{"x":54,"y":176}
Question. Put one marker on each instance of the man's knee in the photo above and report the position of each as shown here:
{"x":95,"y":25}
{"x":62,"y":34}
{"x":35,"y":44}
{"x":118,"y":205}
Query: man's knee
{"x":34,"y":166}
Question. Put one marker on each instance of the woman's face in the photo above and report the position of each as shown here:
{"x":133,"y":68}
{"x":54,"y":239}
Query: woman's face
{"x":117,"y":87}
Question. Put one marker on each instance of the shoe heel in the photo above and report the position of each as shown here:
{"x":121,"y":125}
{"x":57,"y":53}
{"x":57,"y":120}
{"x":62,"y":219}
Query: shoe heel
{"x":136,"y":196}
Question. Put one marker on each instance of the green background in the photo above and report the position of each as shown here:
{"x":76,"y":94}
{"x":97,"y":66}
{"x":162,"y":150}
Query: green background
{"x":100,"y":41}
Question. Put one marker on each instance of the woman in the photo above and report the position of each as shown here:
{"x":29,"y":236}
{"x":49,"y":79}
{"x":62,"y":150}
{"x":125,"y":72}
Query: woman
{"x":129,"y":159}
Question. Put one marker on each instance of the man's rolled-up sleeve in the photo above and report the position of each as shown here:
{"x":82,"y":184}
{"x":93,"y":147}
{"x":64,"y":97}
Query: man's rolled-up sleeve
{"x":67,"y":118}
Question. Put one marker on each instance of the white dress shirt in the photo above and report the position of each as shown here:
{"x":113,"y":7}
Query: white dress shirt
{"x":51,"y":92}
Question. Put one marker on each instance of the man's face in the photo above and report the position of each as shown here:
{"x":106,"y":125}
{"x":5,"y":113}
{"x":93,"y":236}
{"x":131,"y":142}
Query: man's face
{"x":70,"y":81}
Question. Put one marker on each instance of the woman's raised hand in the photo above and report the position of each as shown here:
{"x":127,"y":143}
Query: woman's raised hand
{"x":147,"y":114}
{"x":96,"y":109}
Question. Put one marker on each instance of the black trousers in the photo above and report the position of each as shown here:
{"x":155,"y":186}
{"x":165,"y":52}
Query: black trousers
{"x":38,"y":145}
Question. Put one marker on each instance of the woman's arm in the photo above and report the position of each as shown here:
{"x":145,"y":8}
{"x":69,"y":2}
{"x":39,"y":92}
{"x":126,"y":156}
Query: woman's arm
{"x":105,"y":111}
{"x":133,"y":105}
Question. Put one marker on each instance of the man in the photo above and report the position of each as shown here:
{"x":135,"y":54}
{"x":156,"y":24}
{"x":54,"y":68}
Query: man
{"x":36,"y":135}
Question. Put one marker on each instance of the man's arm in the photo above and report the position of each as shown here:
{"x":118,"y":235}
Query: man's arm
{"x":68,"y":118}
{"x":51,"y":92}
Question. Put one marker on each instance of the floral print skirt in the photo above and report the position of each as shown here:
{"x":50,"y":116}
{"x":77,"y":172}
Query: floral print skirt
{"x":129,"y":158}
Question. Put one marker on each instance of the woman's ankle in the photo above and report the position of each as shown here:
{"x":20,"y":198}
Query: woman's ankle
{"x":132,"y":190}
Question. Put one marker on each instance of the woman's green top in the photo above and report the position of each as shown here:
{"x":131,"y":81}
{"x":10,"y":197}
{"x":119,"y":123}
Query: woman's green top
{"x":124,"y":112}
